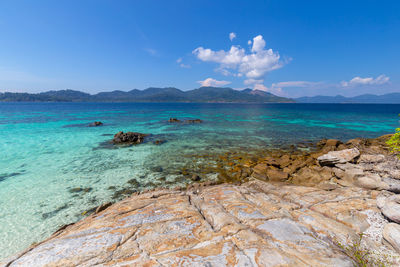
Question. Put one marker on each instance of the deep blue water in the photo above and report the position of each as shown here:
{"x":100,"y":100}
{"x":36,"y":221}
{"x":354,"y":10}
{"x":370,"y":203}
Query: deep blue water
{"x":47,"y":150}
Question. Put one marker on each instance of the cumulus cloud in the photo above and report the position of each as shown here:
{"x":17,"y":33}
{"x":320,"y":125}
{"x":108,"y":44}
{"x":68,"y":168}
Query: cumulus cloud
{"x":232,"y":36}
{"x":213,"y":82}
{"x":356,"y":81}
{"x":253,"y":65}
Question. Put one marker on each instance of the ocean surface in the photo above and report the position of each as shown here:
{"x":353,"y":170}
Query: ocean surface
{"x":53,"y":167}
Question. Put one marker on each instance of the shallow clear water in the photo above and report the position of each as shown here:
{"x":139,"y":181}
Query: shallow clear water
{"x":47,"y":150}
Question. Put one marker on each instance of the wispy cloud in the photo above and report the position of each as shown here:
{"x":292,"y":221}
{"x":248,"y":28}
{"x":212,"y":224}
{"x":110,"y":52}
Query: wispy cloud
{"x":357,"y":81}
{"x":182,"y":65}
{"x":151,"y":51}
{"x":213,"y":82}
{"x":232,"y":36}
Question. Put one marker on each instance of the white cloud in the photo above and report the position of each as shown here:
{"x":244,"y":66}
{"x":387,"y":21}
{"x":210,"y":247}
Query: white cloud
{"x":232,"y":36}
{"x":179,"y":60}
{"x":356,"y":81}
{"x":254,"y":65}
{"x":213,"y":82}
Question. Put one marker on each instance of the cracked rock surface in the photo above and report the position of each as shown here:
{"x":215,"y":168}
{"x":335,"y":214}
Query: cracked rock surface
{"x":254,"y":224}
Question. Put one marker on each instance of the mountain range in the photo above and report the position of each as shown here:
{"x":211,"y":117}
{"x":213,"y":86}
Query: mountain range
{"x":200,"y":95}
{"x":392,"y":98}
{"x":169,"y":94}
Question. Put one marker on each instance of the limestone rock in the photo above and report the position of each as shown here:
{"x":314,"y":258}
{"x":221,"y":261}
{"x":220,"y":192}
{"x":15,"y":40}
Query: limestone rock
{"x":391,"y":208}
{"x":338,"y":157}
{"x":253,"y":224}
{"x":391,"y":234}
{"x":371,"y":181}
{"x":371,"y":158}
{"x":392,"y":184}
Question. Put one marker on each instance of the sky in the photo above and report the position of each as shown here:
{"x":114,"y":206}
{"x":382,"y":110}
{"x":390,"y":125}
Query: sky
{"x":290,"y":48}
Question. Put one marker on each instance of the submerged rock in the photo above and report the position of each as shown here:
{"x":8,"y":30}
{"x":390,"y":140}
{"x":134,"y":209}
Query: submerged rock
{"x":173,"y":120}
{"x":338,"y":157}
{"x":95,"y":124}
{"x":194,"y":121}
{"x":128,"y":138}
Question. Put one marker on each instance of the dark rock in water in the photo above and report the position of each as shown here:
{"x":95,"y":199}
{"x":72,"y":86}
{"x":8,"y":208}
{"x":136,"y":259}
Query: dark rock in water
{"x":103,"y":207}
{"x":79,"y":189}
{"x":8,"y":175}
{"x":194,"y":121}
{"x":173,"y":120}
{"x":95,"y":124}
{"x":159,"y":142}
{"x":156,"y":169}
{"x":111,"y":187}
{"x":107,"y":135}
{"x":54,"y":212}
{"x":134,"y":182}
{"x":128,"y":138}
{"x":122,"y":193}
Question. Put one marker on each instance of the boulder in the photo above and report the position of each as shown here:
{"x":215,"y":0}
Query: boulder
{"x":371,"y":158}
{"x":95,"y":124}
{"x":371,"y":181}
{"x":393,"y":185}
{"x":391,"y":208}
{"x":332,"y":142}
{"x":260,"y":171}
{"x":128,"y":138}
{"x":338,"y":157}
{"x":391,"y":234}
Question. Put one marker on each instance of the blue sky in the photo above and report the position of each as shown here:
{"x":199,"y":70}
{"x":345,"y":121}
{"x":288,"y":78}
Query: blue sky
{"x":317,"y":47}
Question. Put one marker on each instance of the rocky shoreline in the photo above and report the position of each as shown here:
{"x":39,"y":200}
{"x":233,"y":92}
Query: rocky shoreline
{"x":299,"y":207}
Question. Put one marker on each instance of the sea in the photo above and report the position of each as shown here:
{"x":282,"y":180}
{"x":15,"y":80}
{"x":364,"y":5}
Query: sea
{"x":54,"y":168}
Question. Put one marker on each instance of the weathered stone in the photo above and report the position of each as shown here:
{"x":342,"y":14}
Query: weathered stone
{"x":311,"y":176}
{"x":371,"y":181}
{"x":332,"y":142}
{"x":103,"y":207}
{"x":338,"y":157}
{"x":370,"y":158}
{"x":254,"y":224}
{"x":393,"y":185}
{"x":391,"y":208}
{"x":391,"y":234}
{"x":276,"y":175}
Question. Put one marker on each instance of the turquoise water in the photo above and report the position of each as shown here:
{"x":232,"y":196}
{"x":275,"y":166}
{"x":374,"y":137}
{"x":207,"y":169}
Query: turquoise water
{"x":47,"y":151}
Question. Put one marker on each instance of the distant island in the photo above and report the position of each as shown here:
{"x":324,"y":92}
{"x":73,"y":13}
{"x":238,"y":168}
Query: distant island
{"x":392,"y":98}
{"x":199,"y":95}
{"x":169,"y":94}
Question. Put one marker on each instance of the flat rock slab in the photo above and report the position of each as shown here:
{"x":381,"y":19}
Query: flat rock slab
{"x":253,"y":224}
{"x":338,"y":157}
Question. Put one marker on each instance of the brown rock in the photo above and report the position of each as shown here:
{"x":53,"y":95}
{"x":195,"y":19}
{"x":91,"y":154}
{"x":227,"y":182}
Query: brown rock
{"x":276,"y":175}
